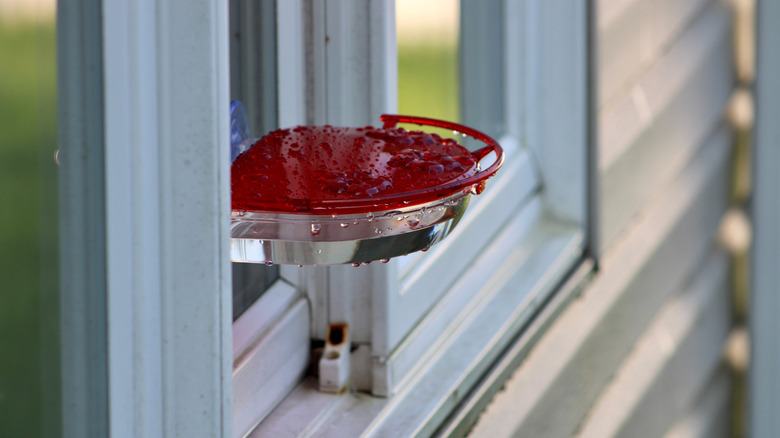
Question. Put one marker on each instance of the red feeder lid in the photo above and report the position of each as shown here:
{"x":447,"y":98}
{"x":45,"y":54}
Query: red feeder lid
{"x":334,"y":170}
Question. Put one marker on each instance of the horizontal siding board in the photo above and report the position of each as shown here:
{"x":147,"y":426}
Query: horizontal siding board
{"x":672,"y":361}
{"x":632,"y":34}
{"x":623,"y":44}
{"x":647,"y":139}
{"x":552,"y":391}
{"x":705,"y":46}
{"x":710,"y":417}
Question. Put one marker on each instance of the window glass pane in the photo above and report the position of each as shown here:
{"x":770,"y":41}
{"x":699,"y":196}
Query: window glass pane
{"x":250,"y":280}
{"x":29,"y":359}
{"x":428,"y":68}
{"x":253,"y":82}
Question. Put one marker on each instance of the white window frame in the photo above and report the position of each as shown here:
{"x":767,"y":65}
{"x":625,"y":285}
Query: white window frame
{"x":160,"y":153}
{"x":458,"y":333}
{"x":144,"y":216}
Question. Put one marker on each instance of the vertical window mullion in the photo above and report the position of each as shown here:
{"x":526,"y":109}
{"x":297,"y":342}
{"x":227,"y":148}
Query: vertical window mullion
{"x":167,"y":229}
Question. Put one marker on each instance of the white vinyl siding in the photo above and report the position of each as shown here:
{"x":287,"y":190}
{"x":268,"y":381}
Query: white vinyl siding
{"x":553,"y":390}
{"x":650,"y":130}
{"x":635,"y":354}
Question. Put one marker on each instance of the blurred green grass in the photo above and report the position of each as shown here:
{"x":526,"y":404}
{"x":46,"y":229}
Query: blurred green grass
{"x":428,"y":80}
{"x":28,"y":238}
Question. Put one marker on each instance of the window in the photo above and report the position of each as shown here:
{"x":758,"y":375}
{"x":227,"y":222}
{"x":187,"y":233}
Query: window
{"x":426,"y":326}
{"x":150,"y":199}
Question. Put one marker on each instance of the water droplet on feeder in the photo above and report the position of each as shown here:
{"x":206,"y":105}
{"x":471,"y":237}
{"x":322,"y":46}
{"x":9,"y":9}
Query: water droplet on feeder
{"x":315,"y":229}
{"x":343,"y":225}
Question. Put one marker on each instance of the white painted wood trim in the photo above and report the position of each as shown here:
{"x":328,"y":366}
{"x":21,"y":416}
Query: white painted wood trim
{"x":167,"y":205}
{"x":556,"y":104}
{"x":271,"y":366}
{"x":765,"y":301}
{"x":551,"y":392}
{"x":261,"y":316}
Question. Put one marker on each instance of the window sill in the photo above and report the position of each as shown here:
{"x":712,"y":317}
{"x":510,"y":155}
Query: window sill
{"x":525,"y":264}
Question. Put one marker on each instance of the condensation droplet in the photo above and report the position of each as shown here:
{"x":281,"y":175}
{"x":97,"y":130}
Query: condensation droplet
{"x":385,"y":260}
{"x":343,"y":225}
{"x":355,"y":265}
{"x":315,"y":229}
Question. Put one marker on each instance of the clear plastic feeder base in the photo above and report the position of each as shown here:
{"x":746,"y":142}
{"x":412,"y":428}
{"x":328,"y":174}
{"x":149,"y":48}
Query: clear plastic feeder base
{"x":343,"y":239}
